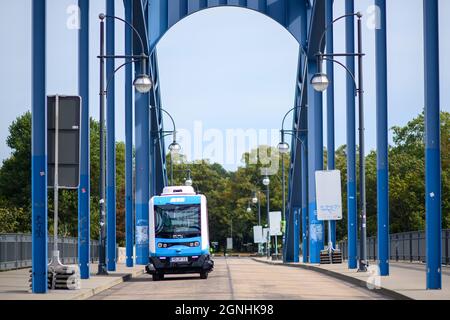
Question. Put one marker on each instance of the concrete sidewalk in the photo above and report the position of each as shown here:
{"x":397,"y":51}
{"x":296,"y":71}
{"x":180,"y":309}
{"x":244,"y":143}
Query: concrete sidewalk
{"x":406,"y":280}
{"x":14,"y":284}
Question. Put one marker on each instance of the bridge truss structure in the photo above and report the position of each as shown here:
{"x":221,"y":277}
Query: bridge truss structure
{"x":306,"y":20}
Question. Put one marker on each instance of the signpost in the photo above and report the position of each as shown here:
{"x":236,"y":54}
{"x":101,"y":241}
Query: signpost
{"x":266,"y":237}
{"x":258,"y":236}
{"x":275,"y":227}
{"x":229,"y":243}
{"x":63,"y":143}
{"x":329,"y":200}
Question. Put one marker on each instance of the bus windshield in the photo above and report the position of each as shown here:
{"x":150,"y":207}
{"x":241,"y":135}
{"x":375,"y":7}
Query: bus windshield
{"x":177,"y":221}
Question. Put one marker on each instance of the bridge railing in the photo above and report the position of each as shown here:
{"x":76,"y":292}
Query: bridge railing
{"x":15,"y":250}
{"x":407,"y":246}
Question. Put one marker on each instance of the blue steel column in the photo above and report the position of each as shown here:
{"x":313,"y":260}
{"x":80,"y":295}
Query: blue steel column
{"x":296,"y":212}
{"x":110,"y":143}
{"x":330,"y":103}
{"x":351,"y":138}
{"x":432,"y":146}
{"x":129,"y":241}
{"x":315,"y":162}
{"x":382,"y":142}
{"x":304,"y":139}
{"x":142,"y":141}
{"x":304,"y":177}
{"x":39,"y":150}
{"x":84,"y":188}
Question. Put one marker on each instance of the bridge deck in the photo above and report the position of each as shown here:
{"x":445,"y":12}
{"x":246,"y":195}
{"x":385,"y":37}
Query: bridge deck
{"x":406,"y":279}
{"x":239,"y":278}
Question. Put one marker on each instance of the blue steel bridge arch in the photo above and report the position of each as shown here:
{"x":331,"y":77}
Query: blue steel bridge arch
{"x":157,"y":18}
{"x":167,"y":14}
{"x":306,"y":20}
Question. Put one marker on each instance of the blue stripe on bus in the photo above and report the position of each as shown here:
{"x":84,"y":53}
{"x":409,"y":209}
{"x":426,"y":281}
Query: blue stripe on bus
{"x":162,"y":200}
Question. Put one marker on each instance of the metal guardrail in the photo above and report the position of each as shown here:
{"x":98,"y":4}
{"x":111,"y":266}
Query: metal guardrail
{"x":15,"y":250}
{"x":408,"y":246}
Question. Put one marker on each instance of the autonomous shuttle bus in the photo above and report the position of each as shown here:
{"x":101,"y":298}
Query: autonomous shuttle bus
{"x":179,"y":237}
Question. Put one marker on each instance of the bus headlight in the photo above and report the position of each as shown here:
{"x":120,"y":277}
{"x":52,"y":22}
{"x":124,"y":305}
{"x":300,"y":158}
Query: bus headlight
{"x":196,"y":243}
{"x":160,"y":245}
{"x":164,"y":245}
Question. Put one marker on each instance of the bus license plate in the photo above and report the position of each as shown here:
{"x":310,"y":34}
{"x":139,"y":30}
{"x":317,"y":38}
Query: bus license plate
{"x":179,"y":259}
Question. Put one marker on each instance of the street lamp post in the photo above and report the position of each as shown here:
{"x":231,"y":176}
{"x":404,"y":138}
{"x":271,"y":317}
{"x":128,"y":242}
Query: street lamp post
{"x":283,"y":148}
{"x":143,"y":84}
{"x":174,"y":147}
{"x":320,"y":83}
{"x":266,"y":182}
{"x":256,"y":199}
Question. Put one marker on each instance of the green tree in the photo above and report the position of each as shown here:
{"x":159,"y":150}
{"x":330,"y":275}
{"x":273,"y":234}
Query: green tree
{"x":15,"y":175}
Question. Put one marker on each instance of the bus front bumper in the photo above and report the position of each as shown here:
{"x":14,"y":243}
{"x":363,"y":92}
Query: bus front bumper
{"x":194,"y":265}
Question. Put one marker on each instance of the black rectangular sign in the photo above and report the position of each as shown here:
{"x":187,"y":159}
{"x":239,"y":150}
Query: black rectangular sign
{"x":68,"y":138}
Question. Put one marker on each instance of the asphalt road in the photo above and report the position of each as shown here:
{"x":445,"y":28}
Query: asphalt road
{"x":240,"y":278}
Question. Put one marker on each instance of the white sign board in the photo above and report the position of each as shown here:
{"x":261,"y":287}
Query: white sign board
{"x":258,"y":234}
{"x":275,"y":223}
{"x":328,"y":195}
{"x":266,"y":234}
{"x":230,"y":243}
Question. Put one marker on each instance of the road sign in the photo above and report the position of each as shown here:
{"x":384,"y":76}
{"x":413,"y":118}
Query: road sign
{"x":230,"y":243}
{"x":266,"y":234}
{"x":258,"y":234}
{"x":275,"y":223}
{"x":328,"y":195}
{"x":68,"y":136}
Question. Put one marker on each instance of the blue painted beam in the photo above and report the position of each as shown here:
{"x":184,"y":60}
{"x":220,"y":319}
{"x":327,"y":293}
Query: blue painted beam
{"x":140,"y":23}
{"x":158,"y":172}
{"x":302,"y":124}
{"x":84,"y":188}
{"x":142,"y":141}
{"x":291,"y":238}
{"x":158,"y":20}
{"x":382,"y":141}
{"x":129,"y":239}
{"x":316,"y":28}
{"x":296,"y":23}
{"x":177,"y":10}
{"x":39,"y":254}
{"x":433,"y":201}
{"x":258,"y":5}
{"x":304,"y":213}
{"x":153,"y":143}
{"x":276,"y":9}
{"x":330,"y":103}
{"x":315,"y":162}
{"x":110,"y":143}
{"x":351,"y":138}
{"x":196,"y":5}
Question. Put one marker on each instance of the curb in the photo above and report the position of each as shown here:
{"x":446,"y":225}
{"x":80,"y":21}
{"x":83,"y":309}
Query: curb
{"x":92,"y":292}
{"x":360,"y":283}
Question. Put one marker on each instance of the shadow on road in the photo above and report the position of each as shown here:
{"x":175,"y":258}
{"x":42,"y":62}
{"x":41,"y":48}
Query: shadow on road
{"x":147,"y":278}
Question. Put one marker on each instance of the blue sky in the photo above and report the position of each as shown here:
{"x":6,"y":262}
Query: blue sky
{"x":229,"y":68}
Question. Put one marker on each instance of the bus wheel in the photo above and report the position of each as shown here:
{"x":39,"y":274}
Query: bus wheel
{"x":156,"y":277}
{"x":203,"y":275}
